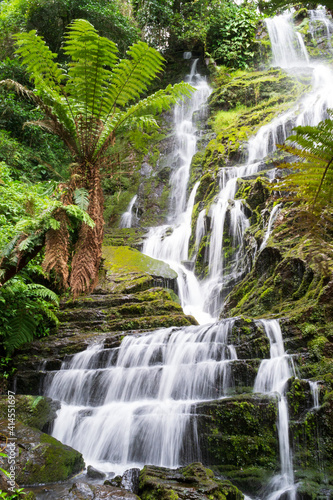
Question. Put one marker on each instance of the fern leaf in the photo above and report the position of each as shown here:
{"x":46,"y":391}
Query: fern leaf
{"x":39,"y":60}
{"x":81,"y":198}
{"x":312,"y":176}
{"x":40,"y":291}
{"x":132,"y":76}
{"x":92,"y":59}
{"x":20,"y":329}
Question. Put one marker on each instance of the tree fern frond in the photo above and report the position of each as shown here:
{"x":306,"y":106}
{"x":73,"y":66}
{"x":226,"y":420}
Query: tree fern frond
{"x":156,"y":103}
{"x":132,"y":76}
{"x":92,"y":59}
{"x":19,"y":89}
{"x":39,"y":60}
{"x":312,"y":177}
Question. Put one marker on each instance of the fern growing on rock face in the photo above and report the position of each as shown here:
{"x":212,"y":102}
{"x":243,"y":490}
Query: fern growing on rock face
{"x":87,"y":106}
{"x":312,"y":177}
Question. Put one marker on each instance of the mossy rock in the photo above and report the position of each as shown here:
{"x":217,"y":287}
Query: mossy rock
{"x":42,"y":458}
{"x":85,"y":491}
{"x":34,"y":411}
{"x":117,"y":259}
{"x":193,"y":482}
{"x":239,"y":431}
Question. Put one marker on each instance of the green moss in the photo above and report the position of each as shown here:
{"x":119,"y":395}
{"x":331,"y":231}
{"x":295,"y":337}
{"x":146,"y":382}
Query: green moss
{"x":316,"y":347}
{"x":126,"y":258}
{"x":225,"y":119}
{"x":194,"y":480}
{"x":34,"y":411}
{"x":48,"y":461}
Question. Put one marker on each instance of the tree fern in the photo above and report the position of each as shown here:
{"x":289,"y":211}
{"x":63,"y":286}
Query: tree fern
{"x":87,"y":107}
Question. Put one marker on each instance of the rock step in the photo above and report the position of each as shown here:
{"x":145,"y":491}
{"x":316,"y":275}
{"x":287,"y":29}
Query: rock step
{"x":128,"y":309}
{"x":239,"y":431}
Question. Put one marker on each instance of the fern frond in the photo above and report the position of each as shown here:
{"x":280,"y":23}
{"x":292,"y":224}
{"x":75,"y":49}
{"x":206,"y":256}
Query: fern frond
{"x":81,"y":198}
{"x":20,"y":329}
{"x":50,"y":315}
{"x":88,"y":250}
{"x":312,"y":177}
{"x":79,"y":214}
{"x":131,"y":77}
{"x":144,"y":111}
{"x":92,"y":59}
{"x":40,"y":291}
{"x":39,"y":60}
{"x":57,"y":249}
{"x":20,"y":89}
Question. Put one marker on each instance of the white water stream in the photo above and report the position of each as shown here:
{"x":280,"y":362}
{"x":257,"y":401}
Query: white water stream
{"x":135,"y":405}
{"x":127,"y":217}
{"x":272,"y":378}
{"x":132,"y":406}
{"x":170,"y":242}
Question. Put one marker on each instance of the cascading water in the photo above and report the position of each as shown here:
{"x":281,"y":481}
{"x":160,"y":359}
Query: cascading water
{"x":173,"y":248}
{"x":272,"y":219}
{"x":133,"y":405}
{"x":272,"y":378}
{"x":127,"y":217}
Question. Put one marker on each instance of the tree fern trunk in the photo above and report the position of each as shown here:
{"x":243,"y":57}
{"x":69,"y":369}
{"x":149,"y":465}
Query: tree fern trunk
{"x":88,"y":249}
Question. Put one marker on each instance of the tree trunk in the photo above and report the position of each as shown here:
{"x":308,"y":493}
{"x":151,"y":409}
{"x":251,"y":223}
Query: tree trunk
{"x":88,"y":249}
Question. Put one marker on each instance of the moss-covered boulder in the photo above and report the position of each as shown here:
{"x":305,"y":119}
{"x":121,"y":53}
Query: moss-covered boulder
{"x":193,"y":482}
{"x":124,"y":258}
{"x":34,"y":411}
{"x":41,"y":458}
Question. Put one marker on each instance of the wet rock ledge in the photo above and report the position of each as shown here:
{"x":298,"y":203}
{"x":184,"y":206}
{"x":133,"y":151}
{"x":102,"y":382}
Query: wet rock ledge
{"x":135,"y":293}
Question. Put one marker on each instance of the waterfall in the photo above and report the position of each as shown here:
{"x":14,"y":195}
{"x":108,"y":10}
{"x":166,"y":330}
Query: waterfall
{"x":272,"y":219}
{"x":133,"y":405}
{"x":170,"y":242}
{"x":126,"y":218}
{"x":272,"y":377}
{"x":318,"y":23}
{"x":315,"y":394}
{"x":286,"y":52}
{"x":200,"y":228}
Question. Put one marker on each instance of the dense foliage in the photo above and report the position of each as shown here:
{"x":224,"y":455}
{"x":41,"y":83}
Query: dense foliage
{"x":51,"y":19}
{"x":87,"y":107}
{"x":29,"y":151}
{"x":221,"y":29}
{"x":26,"y":215}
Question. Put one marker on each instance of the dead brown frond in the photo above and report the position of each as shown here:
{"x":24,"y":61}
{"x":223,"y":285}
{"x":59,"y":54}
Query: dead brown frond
{"x":88,"y":251}
{"x":57,"y":249}
{"x":20,"y":89}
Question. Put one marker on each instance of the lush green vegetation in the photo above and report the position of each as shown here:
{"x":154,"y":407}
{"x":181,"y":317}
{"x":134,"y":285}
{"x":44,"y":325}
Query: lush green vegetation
{"x":87,"y":107}
{"x":220,"y":29}
{"x":312,"y":178}
{"x":39,"y":173}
